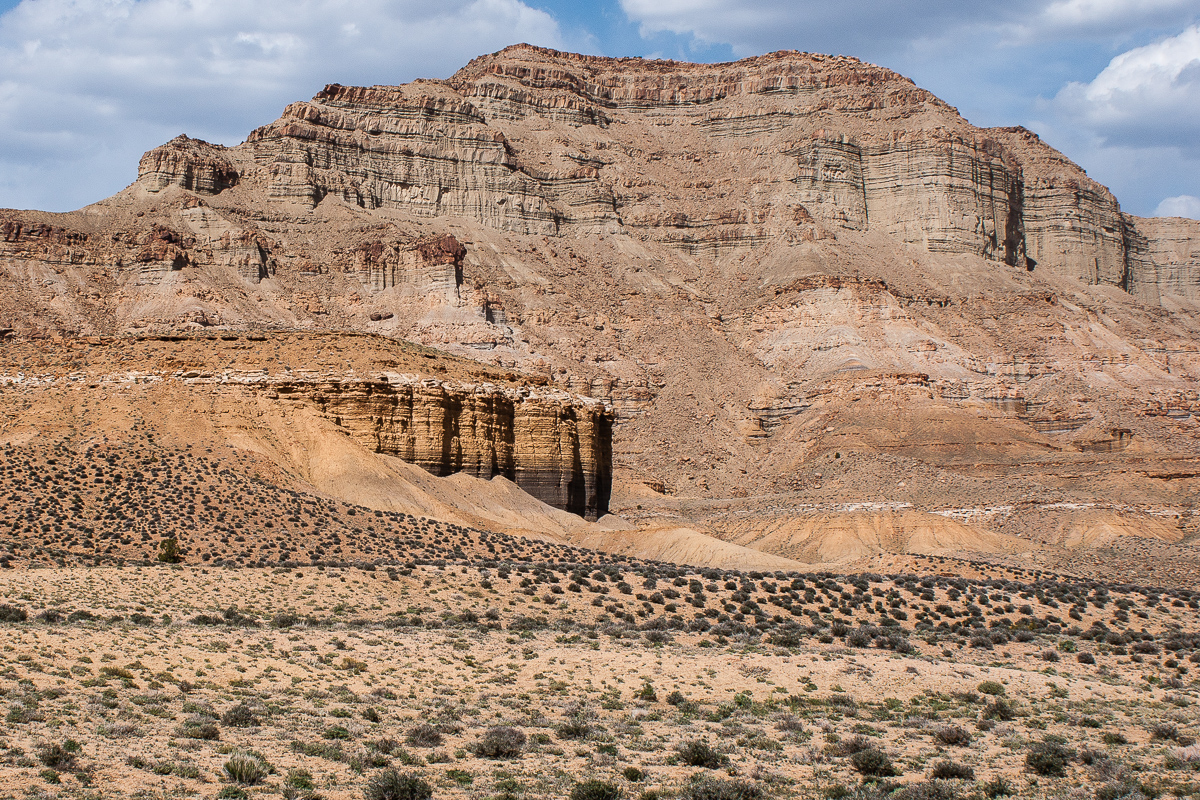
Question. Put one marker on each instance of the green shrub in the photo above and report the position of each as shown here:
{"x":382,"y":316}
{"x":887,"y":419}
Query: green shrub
{"x":299,"y":778}
{"x":595,"y":790}
{"x":460,"y":776}
{"x":998,"y":786}
{"x":1048,"y":759}
{"x":873,"y":763}
{"x":245,"y":769}
{"x":336,"y":732}
{"x":994,"y":688}
{"x":928,"y":790}
{"x":385,"y":745}
{"x":699,"y":753}
{"x":1113,"y":738}
{"x":633,"y":775}
{"x":953,"y":736}
{"x":58,"y":756}
{"x":424,"y":735}
{"x":239,"y":716}
{"x":168,"y":551}
{"x":850,"y":746}
{"x":1125,"y":790}
{"x":575,"y":726}
{"x":950,"y":771}
{"x":232,"y":793}
{"x":508,"y":788}
{"x":11,"y":614}
{"x":1163,"y":732}
{"x":718,"y":789}
{"x":406,"y":758}
{"x":200,"y":728}
{"x":330,"y":750}
{"x":392,"y":785}
{"x":500,"y":741}
{"x":286,"y":619}
{"x":999,"y":709}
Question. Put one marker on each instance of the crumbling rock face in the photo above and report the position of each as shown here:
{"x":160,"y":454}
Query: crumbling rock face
{"x":948,"y":194}
{"x":190,"y":164}
{"x":429,"y":266}
{"x":1073,"y":225}
{"x":554,"y":446}
{"x":399,"y":147}
{"x":162,"y":249}
{"x":242,"y":250}
{"x":1170,"y":255}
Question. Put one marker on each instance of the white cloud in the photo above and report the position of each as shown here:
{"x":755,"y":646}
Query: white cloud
{"x":1149,"y":95}
{"x":1092,"y":14}
{"x":86,"y":80}
{"x":756,"y":26}
{"x":1182,"y":206}
{"x":854,"y":27}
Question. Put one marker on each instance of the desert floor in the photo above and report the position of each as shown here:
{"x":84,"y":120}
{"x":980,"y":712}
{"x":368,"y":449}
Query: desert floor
{"x":148,"y":681}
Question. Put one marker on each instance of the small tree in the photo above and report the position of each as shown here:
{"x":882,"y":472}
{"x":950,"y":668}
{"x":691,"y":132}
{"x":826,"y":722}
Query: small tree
{"x":168,"y":551}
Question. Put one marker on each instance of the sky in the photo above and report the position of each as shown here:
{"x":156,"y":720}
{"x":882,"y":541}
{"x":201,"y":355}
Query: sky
{"x":87,"y":86}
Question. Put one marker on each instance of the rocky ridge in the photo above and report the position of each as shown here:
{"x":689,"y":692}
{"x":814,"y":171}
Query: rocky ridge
{"x":835,"y":140}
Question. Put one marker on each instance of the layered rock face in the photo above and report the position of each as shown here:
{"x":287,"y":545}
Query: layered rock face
{"x":1172,"y":248}
{"x":433,"y":266}
{"x":555,"y":446}
{"x":188,"y":163}
{"x":757,"y":265}
{"x":538,"y":142}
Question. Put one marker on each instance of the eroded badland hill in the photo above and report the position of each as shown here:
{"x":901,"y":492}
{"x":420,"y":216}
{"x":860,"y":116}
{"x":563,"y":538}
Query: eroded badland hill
{"x":716,"y":431}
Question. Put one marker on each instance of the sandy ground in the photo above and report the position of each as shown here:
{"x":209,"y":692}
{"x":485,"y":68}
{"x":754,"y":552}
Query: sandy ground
{"x":375,"y":655}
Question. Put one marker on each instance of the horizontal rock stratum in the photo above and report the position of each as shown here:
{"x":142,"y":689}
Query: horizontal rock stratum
{"x":481,"y":422}
{"x":770,"y":269}
{"x":851,"y":146}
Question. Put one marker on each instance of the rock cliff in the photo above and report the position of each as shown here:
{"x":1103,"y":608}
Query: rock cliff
{"x":555,"y":446}
{"x":539,"y":142}
{"x":1169,"y":250}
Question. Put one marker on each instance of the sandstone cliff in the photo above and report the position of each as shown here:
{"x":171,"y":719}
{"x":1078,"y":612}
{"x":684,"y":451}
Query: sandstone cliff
{"x":538,"y":142}
{"x":485,"y":423}
{"x":555,"y":446}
